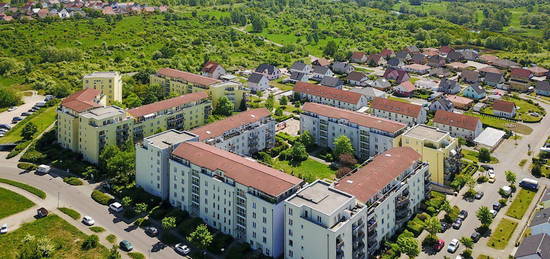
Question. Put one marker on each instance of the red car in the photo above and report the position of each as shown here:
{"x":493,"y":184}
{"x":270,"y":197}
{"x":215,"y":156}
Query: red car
{"x":439,"y":245}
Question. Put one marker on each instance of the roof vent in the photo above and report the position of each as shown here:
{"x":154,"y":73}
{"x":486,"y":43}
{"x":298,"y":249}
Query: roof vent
{"x":253,"y":116}
{"x":349,"y":181}
{"x":208,"y":132}
{"x":388,"y":155}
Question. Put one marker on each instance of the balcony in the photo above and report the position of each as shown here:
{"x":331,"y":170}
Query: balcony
{"x":339,"y":244}
{"x":372,"y":223}
{"x":402,"y":201}
{"x":371,"y":244}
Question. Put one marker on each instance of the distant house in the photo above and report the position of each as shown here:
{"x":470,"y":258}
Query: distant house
{"x":469,"y":54}
{"x":404,"y":89}
{"x":419,"y":58}
{"x":519,"y":79}
{"x":268,"y":70}
{"x":475,"y":91}
{"x":407,"y":113}
{"x":440,"y":72}
{"x":398,"y":75}
{"x":489,"y":69}
{"x":258,"y":82}
{"x":376,"y":60}
{"x":107,"y":10}
{"x":417,"y":69}
{"x":300,"y":66}
{"x":403,"y":55}
{"x":330,"y":96}
{"x":457,"y":66}
{"x":381,"y":84}
{"x":411,"y":49}
{"x":543,"y":88}
{"x":540,"y":224}
{"x":64,"y":14}
{"x":488,"y":59}
{"x":436,"y":61}
{"x":469,"y":76}
{"x":358,"y":57}
{"x":458,"y":125}
{"x":495,"y":80}
{"x":395,"y":63}
{"x":504,"y":109}
{"x":357,"y":78}
{"x":441,"y":104}
{"x":534,"y":247}
{"x":212,"y":69}
{"x":333,"y":82}
{"x":387,"y":53}
{"x":298,"y":77}
{"x":430,"y":52}
{"x":42,"y":13}
{"x":448,"y":86}
{"x":427,"y":84}
{"x":321,"y":62}
{"x":339,"y":67}
{"x":455,"y":56}
{"x":369,"y":92}
{"x":319,"y":72}
{"x":505,"y":64}
{"x":460,"y":102}
{"x":6,"y":18}
{"x":446,"y":50}
{"x":538,"y":71}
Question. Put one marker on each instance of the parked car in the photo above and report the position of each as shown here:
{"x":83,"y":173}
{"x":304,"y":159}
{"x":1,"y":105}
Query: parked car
{"x":12,"y":109}
{"x":4,"y":229}
{"x":2,"y":134}
{"x":5,"y":126}
{"x":116,"y":207}
{"x":16,"y":119}
{"x":126,"y":245}
{"x":25,"y":113}
{"x":457,"y":224}
{"x":439,"y":244}
{"x":492,"y":176}
{"x":182,"y":249}
{"x":494,"y":213}
{"x":530,"y":184}
{"x":151,"y":231}
{"x":487,"y":167}
{"x":3,"y":130}
{"x":48,"y":97}
{"x":497,"y":206}
{"x":506,"y":190}
{"x":463,"y":215}
{"x":479,"y":195}
{"x":87,"y":220}
{"x":40,"y":104}
{"x":444,"y":227}
{"x":475,"y":236}
{"x":43,"y":169}
{"x":42,"y":212}
{"x":453,"y":246}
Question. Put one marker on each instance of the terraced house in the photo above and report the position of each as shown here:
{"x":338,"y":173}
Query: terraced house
{"x":330,"y":96}
{"x":369,"y":135}
{"x":180,"y":82}
{"x":407,"y":113}
{"x":87,"y":126}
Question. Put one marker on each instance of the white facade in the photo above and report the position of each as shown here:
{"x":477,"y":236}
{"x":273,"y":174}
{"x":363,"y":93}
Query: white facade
{"x":335,"y":103}
{"x":259,"y":86}
{"x":394,"y":116}
{"x":461,"y":132}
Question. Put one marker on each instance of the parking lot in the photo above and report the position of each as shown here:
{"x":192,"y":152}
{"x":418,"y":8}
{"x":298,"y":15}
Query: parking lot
{"x":29,"y":102}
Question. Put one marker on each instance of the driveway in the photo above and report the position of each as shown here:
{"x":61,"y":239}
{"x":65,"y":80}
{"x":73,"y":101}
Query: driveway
{"x":29,"y":102}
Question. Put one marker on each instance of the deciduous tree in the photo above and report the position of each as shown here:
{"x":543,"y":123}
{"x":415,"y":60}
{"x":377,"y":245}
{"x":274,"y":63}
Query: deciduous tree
{"x":342,"y":145}
{"x":201,"y":237}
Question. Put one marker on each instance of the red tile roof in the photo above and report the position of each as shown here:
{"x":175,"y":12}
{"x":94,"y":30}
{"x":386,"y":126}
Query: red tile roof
{"x":167,"y":104}
{"x":327,"y":92}
{"x":217,"y":128}
{"x":488,"y":58}
{"x":490,"y":69}
{"x":322,"y":62}
{"x":381,"y":171}
{"x":357,"y":55}
{"x":455,"y":99}
{"x":386,"y":52}
{"x":407,"y":86}
{"x":520,"y":72}
{"x":244,"y":171}
{"x":456,"y":120}
{"x":408,"y":109}
{"x":82,"y":100}
{"x":362,"y":119}
{"x":210,"y":67}
{"x":189,"y":77}
{"x":504,"y":106}
{"x":538,"y":70}
{"x":446,"y":49}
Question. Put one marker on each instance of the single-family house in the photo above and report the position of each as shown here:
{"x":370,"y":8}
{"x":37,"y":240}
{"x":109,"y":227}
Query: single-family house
{"x":300,"y":66}
{"x":42,"y":13}
{"x":407,"y":113}
{"x":505,"y":64}
{"x":411,"y":49}
{"x":469,"y":76}
{"x":458,"y":125}
{"x":330,"y":96}
{"x":339,"y":67}
{"x":369,"y":92}
{"x":6,"y":18}
{"x":321,"y":62}
{"x":519,"y":79}
{"x":419,"y":58}
{"x":488,"y":59}
{"x":448,"y":86}
{"x":436,"y":61}
{"x":504,"y":109}
{"x":319,"y":72}
{"x":430,"y":52}
{"x":489,"y":69}
{"x":427,"y":84}
{"x":333,"y":82}
{"x":4,"y":6}
{"x":358,"y":57}
{"x":403,"y":55}
{"x":495,"y":80}
{"x":441,"y":103}
{"x":479,"y":106}
{"x":375,"y":60}
{"x":455,"y":56}
{"x":460,"y":102}
{"x":381,"y":84}
{"x":538,"y":71}
{"x":64,"y":14}
{"x":212,"y":69}
{"x":540,"y":224}
{"x":440,"y":72}
{"x":475,"y":91}
{"x":417,"y":69}
{"x":457,"y":66}
{"x":469,"y":54}
{"x":543,"y":88}
{"x":534,"y":247}
{"x":107,"y":10}
{"x":258,"y":82}
{"x":268,"y":70}
{"x":446,"y":50}
{"x":398,"y":75}
{"x":404,"y":89}
{"x":395,"y":63}
{"x":298,"y":77}
{"x":357,"y":78}
{"x":387,"y":53}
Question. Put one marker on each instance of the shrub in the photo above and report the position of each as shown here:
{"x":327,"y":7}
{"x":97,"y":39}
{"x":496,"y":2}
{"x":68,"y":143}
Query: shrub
{"x":101,"y":198}
{"x":97,"y":229}
{"x":180,"y":215}
{"x":26,"y":166}
{"x":136,"y":255}
{"x":90,"y":242}
{"x":158,"y":213}
{"x":73,"y":180}
{"x":71,"y":213}
{"x":482,"y":179}
{"x":111,"y":238}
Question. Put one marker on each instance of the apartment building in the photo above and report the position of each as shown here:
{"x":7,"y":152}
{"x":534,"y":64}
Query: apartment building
{"x":437,"y":148}
{"x":369,"y":135}
{"x":233,"y":194}
{"x":391,"y":185}
{"x":109,"y":83}
{"x":87,"y":127}
{"x":324,"y":222}
{"x":180,"y":82}
{"x":330,"y":96}
{"x":458,"y":125}
{"x":152,"y":155}
{"x":244,"y":133}
{"x":407,"y":113}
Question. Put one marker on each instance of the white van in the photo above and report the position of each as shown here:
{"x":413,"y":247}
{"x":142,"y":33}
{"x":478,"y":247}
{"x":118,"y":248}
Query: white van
{"x":43,"y":169}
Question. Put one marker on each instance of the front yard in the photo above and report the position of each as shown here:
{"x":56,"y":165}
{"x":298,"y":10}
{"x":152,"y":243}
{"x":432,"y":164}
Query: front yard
{"x":12,"y":203}
{"x":473,"y":156}
{"x":520,"y":204}
{"x":502,"y":234}
{"x":502,"y":124}
{"x":309,"y":170}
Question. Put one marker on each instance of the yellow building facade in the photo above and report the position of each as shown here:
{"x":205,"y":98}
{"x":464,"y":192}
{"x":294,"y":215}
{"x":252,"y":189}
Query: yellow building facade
{"x":109,"y":83}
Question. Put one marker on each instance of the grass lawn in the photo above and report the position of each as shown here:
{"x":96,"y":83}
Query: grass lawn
{"x":12,"y":203}
{"x":25,"y":187}
{"x":71,"y":213}
{"x":473,"y":156}
{"x":398,"y":99}
{"x":484,"y":257}
{"x":66,"y":238}
{"x":281,"y":86}
{"x":525,"y":108}
{"x":502,"y":124}
{"x":520,"y":204}
{"x":501,"y":235}
{"x":41,"y":119}
{"x":309,"y":170}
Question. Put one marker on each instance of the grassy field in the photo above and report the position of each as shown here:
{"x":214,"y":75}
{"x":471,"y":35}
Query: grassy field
{"x":310,"y":170}
{"x":71,"y":213}
{"x":66,"y":238}
{"x":502,"y":124}
{"x":520,"y":204}
{"x":398,"y":99}
{"x":473,"y":156}
{"x":12,"y":203}
{"x":41,"y":119}
{"x":501,"y":235}
{"x":41,"y":194}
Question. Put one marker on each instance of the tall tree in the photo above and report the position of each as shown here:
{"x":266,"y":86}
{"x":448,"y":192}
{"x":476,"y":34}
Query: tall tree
{"x":484,"y":215}
{"x":168,"y":223}
{"x":330,"y":49}
{"x":224,"y":107}
{"x":28,"y":131}
{"x":484,"y":155}
{"x":408,"y":246}
{"x":433,"y":226}
{"x":307,"y":139}
{"x":510,"y":177}
{"x":201,"y":237}
{"x":342,"y":145}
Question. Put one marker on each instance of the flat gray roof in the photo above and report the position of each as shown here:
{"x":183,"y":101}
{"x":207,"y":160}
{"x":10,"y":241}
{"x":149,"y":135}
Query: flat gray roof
{"x":320,"y":197}
{"x":102,"y":74}
{"x":103,"y":112}
{"x":168,"y":138}
{"x":426,"y":132}
{"x":490,"y":137}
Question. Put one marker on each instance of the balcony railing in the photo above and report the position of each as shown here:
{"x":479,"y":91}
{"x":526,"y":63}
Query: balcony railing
{"x":339,"y":244}
{"x":402,"y":201}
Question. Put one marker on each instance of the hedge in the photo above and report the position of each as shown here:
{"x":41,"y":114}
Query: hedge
{"x":41,"y":194}
{"x":136,"y":255}
{"x":26,"y":166}
{"x":71,"y":213}
{"x":73,"y":180}
{"x":101,"y":198}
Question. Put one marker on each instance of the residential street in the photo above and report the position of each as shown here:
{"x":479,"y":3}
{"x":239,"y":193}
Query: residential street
{"x":29,"y":102}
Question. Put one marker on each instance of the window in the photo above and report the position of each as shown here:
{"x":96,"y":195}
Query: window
{"x":290,"y":222}
{"x":264,"y":220}
{"x":290,"y":211}
{"x":290,"y":243}
{"x":290,"y":254}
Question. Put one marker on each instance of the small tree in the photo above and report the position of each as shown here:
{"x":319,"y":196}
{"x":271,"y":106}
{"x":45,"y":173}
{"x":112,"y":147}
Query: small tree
{"x":28,"y":131}
{"x":270,"y":102}
{"x":467,"y":242}
{"x":433,"y":226}
{"x":484,"y":215}
{"x":224,"y":106}
{"x":484,"y":155}
{"x":283,"y":100}
{"x":168,"y":223}
{"x":141,"y":208}
{"x":347,"y":160}
{"x":298,"y":152}
{"x":201,"y":237}
{"x":279,"y":112}
{"x":307,"y":139}
{"x":114,"y":253}
{"x":510,"y":177}
{"x":90,"y":242}
{"x":408,"y":246}
{"x":342,"y":145}
{"x":127,"y":201}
